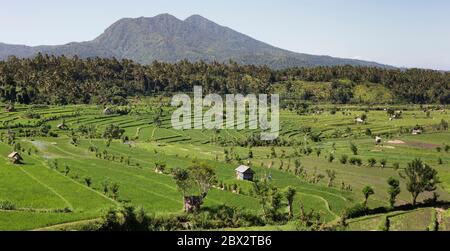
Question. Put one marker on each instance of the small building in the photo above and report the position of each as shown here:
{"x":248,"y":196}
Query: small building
{"x":15,"y":158}
{"x":377,"y":140}
{"x":416,"y":131}
{"x":359,"y":121}
{"x":107,"y":111}
{"x":62,"y":126}
{"x":10,"y":108}
{"x":244,"y":173}
{"x":397,"y":115}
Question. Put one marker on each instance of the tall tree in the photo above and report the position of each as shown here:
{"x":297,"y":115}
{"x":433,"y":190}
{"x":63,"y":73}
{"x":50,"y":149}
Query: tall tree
{"x":290,"y":194}
{"x":194,"y":183}
{"x":420,"y":178}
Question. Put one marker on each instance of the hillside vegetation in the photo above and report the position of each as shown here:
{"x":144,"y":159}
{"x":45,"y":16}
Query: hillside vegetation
{"x":80,"y":173}
{"x":60,"y":80}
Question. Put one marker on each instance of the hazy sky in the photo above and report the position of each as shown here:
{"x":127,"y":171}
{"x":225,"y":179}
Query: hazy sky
{"x":409,"y":33}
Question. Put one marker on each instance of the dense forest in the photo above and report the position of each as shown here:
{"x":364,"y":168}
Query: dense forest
{"x":48,"y":79}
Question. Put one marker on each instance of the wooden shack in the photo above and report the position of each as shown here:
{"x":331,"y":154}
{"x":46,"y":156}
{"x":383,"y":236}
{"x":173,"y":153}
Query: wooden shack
{"x":15,"y":158}
{"x":244,"y":173}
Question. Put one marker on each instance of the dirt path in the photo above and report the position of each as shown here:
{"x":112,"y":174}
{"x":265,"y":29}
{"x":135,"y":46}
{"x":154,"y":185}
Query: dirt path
{"x":153,"y":134}
{"x":440,"y":215}
{"x":138,"y":131}
{"x":68,"y":224}
{"x":327,"y":205}
{"x":396,"y":141}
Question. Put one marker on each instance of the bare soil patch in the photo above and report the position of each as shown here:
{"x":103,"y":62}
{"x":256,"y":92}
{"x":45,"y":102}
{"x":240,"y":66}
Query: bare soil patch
{"x":413,"y":144}
{"x":396,"y":141}
{"x":421,"y":144}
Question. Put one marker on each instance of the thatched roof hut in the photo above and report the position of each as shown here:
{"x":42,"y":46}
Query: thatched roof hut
{"x":15,"y":158}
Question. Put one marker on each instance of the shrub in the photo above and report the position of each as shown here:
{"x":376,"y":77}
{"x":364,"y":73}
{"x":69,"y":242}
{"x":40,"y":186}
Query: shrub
{"x":53,"y":134}
{"x":7,"y":205}
{"x":113,"y":132}
{"x":88,"y":181}
{"x":353,"y":148}
{"x":318,"y":152}
{"x":371,"y":162}
{"x":355,"y":161}
{"x":343,"y":159}
{"x":62,"y":210}
{"x":356,"y":210}
{"x":330,"y":158}
{"x":223,"y":216}
{"x":31,"y":114}
{"x":396,"y":165}
{"x":127,"y":218}
{"x":333,"y":111}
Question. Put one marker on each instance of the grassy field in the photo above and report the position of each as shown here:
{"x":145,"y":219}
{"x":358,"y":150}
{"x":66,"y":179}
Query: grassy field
{"x":45,"y":194}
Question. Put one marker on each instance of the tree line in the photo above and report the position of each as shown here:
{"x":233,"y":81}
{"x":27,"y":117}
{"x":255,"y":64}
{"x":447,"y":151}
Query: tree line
{"x":47,"y":79}
{"x":418,"y":86}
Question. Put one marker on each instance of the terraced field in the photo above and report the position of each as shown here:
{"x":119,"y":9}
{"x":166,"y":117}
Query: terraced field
{"x":50,"y":188}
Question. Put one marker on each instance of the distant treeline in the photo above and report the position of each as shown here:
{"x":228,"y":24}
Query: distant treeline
{"x":61,"y":80}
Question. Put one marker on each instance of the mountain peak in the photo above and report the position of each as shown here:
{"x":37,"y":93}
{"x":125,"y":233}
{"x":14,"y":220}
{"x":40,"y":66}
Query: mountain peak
{"x":166,"y":38}
{"x":165,"y":16}
{"x":196,"y":17}
{"x":200,"y":21}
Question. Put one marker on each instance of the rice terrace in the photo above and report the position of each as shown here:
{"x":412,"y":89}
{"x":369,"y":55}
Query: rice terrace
{"x":189,"y":129}
{"x":75,"y":166}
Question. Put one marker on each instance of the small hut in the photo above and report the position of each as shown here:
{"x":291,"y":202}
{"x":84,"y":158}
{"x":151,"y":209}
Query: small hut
{"x":15,"y":158}
{"x":397,"y":115}
{"x":377,"y":140}
{"x":107,"y":111}
{"x":416,"y":131}
{"x":62,"y":126}
{"x":244,"y":173}
{"x":10,"y":108}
